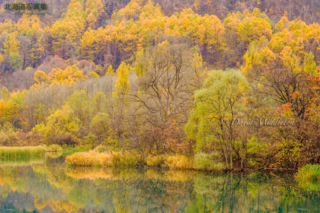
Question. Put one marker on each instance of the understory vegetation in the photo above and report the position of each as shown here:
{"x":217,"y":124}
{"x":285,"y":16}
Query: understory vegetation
{"x":186,"y":91}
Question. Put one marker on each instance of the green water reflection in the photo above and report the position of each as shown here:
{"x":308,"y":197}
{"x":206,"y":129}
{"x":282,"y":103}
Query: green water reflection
{"x":49,"y":186}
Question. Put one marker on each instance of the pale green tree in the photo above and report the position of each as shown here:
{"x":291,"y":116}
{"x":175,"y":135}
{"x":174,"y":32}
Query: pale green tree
{"x":15,"y":60}
{"x":61,"y":123}
{"x":216,"y":106}
{"x":80,"y":103}
{"x":310,"y":64}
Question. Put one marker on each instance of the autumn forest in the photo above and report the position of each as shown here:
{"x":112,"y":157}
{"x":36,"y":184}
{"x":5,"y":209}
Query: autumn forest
{"x":159,"y":83}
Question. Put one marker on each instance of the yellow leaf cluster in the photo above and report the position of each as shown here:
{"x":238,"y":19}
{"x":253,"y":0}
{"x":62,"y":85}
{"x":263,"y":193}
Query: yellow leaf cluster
{"x":68,"y":76}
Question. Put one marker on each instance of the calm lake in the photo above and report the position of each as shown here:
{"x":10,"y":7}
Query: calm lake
{"x":47,"y":185}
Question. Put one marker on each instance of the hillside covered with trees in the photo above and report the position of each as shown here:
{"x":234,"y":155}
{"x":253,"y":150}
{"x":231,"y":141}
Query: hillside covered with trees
{"x":165,"y":78}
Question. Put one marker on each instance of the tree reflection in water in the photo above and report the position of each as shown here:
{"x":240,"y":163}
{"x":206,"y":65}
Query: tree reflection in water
{"x":51,"y":187}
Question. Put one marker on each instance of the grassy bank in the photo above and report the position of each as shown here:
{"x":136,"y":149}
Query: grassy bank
{"x":96,"y":158}
{"x":99,"y":157}
{"x":105,"y":159}
{"x":22,"y":152}
{"x":71,"y":150}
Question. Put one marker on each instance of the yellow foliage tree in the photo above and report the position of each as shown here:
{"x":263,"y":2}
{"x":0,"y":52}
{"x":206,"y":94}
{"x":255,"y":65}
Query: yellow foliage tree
{"x":141,"y":63}
{"x":199,"y":71}
{"x":11,"y":44}
{"x":94,"y":10}
{"x":61,"y":122}
{"x":131,"y":11}
{"x":40,"y":77}
{"x":309,"y":64}
{"x":6,"y":27}
{"x":122,"y":86}
{"x":196,"y":5}
{"x":71,"y":27}
{"x":5,"y":94}
{"x":110,"y":71}
{"x":29,"y":26}
{"x":88,"y":44}
{"x":68,"y":76}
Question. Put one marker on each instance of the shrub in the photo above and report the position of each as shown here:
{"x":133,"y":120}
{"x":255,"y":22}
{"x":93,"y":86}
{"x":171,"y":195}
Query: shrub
{"x":309,"y":173}
{"x":28,"y":69}
{"x":89,"y":141}
{"x":125,"y":159}
{"x":155,"y":161}
{"x":3,"y":138}
{"x":8,"y":139}
{"x":255,"y":152}
{"x":309,"y":177}
{"x":100,"y":148}
{"x":288,"y":153}
{"x":100,"y":121}
{"x":8,"y":135}
{"x":54,"y":148}
{"x":105,"y":159}
{"x":93,"y":75}
{"x":178,"y":162}
{"x":63,"y":139}
{"x":208,"y":161}
{"x":59,"y":127}
{"x":91,"y":158}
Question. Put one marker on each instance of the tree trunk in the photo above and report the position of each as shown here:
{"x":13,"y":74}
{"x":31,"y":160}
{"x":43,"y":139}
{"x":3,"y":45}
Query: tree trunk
{"x":230,"y":144}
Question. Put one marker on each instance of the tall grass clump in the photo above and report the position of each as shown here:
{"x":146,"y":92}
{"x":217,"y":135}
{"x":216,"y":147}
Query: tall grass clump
{"x":309,"y":173}
{"x":309,"y":177}
{"x":54,"y":148}
{"x":178,"y":162}
{"x":20,"y":152}
{"x":104,"y":159}
{"x":90,"y":158}
{"x":205,"y":161}
{"x":125,"y":159}
{"x":155,"y":161}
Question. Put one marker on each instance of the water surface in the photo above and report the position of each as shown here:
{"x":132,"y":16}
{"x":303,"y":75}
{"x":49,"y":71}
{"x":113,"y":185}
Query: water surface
{"x":49,"y":186}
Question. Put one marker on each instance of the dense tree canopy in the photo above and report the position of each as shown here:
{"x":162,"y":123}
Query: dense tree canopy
{"x":160,"y":78}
